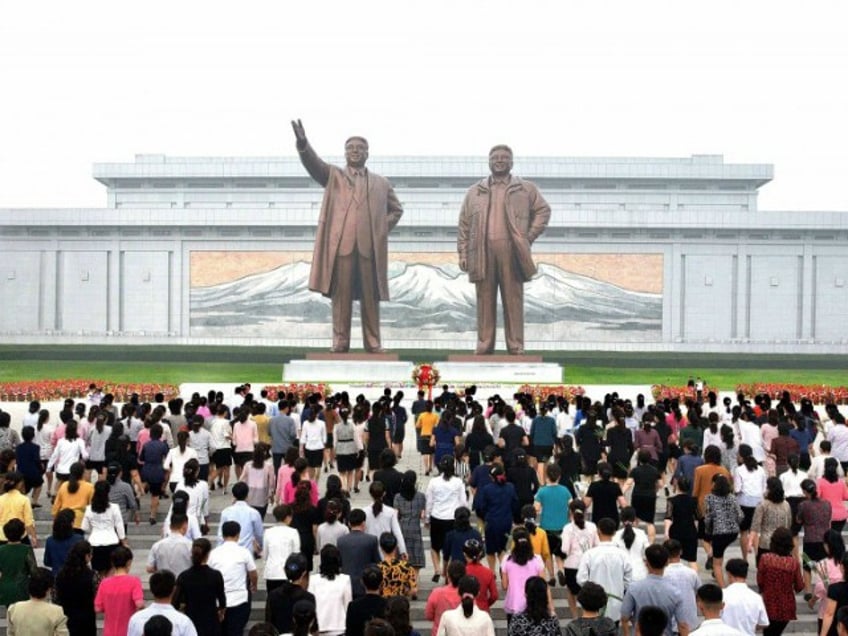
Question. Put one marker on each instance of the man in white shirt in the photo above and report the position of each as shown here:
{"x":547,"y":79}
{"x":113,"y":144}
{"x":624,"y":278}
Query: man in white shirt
{"x":162,"y":587}
{"x":816,"y":471}
{"x":173,"y":553}
{"x":608,"y":566}
{"x":744,"y":609}
{"x":838,"y":438}
{"x":753,"y":437}
{"x":238,"y":569}
{"x":710,"y":604}
{"x":685,"y":579}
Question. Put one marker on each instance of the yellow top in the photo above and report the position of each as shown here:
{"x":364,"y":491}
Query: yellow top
{"x":426,"y":422}
{"x":262,"y":428}
{"x":539,"y":541}
{"x":75,"y":501}
{"x":15,"y":505}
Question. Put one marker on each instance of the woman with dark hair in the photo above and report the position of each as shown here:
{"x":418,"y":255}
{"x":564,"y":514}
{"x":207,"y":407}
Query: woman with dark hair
{"x":333,"y":491}
{"x":702,"y":485}
{"x":834,"y":490}
{"x":278,"y":543}
{"x":96,"y":437}
{"x":813,"y":516}
{"x":779,"y":579}
{"x":121,"y":493}
{"x":153,"y":472}
{"x":804,"y":433}
{"x":300,"y":475}
{"x":538,"y":539}
{"x":15,"y":505}
{"x":59,"y":544}
{"x":633,"y":540}
{"x":176,"y":459}
{"x":69,"y":450}
{"x":619,"y":444}
{"x":477,"y":440}
{"x":828,"y":571}
{"x":17,"y":564}
{"x":496,"y":504}
{"x":380,"y":518}
{"x":444,"y":495}
{"x":518,"y":567}
{"x":446,"y":436}
{"x":389,"y":476}
{"x":791,"y":479}
{"x":197,"y":490}
{"x":285,"y":473}
{"x":199,"y":592}
{"x":332,"y":528}
{"x":75,"y":590}
{"x":399,"y":578}
{"x":525,"y":480}
{"x":376,"y":436}
{"x":313,"y":440}
{"x":456,"y":538}
{"x":577,"y":537}
{"x":645,"y":479}
{"x":397,"y":615}
{"x":749,"y":484}
{"x":729,"y":450}
{"x":105,"y":527}
{"x":44,"y":429}
{"x":332,"y":591}
{"x":344,"y":444}
{"x":467,"y":619}
{"x":28,"y":463}
{"x":258,"y":474}
{"x":588,"y":438}
{"x":647,"y":439}
{"x":722,"y":516}
{"x":411,"y":506}
{"x":74,"y":494}
{"x":604,"y":496}
{"x":680,"y":521}
{"x":772,"y":513}
{"x":538,"y":618}
{"x":305,"y":519}
{"x":120,"y":595}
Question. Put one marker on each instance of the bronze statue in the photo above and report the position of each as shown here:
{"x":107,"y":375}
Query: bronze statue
{"x":501,"y":216}
{"x":350,"y":258}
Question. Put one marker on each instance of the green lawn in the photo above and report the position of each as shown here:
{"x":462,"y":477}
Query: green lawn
{"x":177,"y":364}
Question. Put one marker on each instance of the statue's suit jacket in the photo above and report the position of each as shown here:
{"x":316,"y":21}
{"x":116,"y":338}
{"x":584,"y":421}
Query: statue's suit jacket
{"x":383,"y":207}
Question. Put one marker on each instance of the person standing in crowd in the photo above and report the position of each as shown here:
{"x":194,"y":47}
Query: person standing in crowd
{"x":749,"y":483}
{"x":75,"y":494}
{"x":633,"y":540}
{"x":467,"y":619}
{"x":593,"y":600}
{"x":424,"y":425}
{"x":245,"y":436}
{"x":332,"y":527}
{"x":487,"y":596}
{"x":283,"y":431}
{"x":619,"y":446}
{"x":15,"y":505}
{"x":104,"y":525}
{"x":248,"y":519}
{"x":95,"y":439}
{"x":259,"y":476}
{"x":176,"y":459}
{"x":37,"y":616}
{"x":44,"y":428}
{"x":680,"y":524}
{"x":75,"y":589}
{"x":543,"y":436}
{"x":772,"y":513}
{"x":604,"y":496}
{"x":444,"y":495}
{"x":446,"y":597}
{"x":201,"y":441}
{"x":344,"y":441}
{"x":645,"y":479}
{"x":834,"y":490}
{"x":710,"y":603}
{"x":236,"y":565}
{"x":578,"y":537}
{"x":538,"y":616}
{"x":446,"y":436}
{"x":553,"y":503}
{"x":389,"y":476}
{"x":516,"y":570}
{"x":358,"y":551}
{"x":122,"y":494}
{"x":162,"y":588}
{"x":222,"y":435}
{"x":68,"y":450}
{"x":380,"y":518}
{"x":17,"y":564}
{"x":744,"y":609}
{"x":684,"y":579}
{"x":376,"y":436}
{"x":172,"y":553}
{"x":702,"y":485}
{"x":477,"y":441}
{"x":496,"y":503}
{"x":28,"y":463}
{"x":722,"y":516}
{"x":119,"y":595}
{"x":813,"y":517}
{"x":653,"y":590}
{"x":608,"y":566}
{"x":779,"y":579}
{"x":332,"y":591}
{"x":280,"y":542}
{"x":152,"y":457}
{"x":280,"y":603}
{"x":60,"y":542}
{"x":369,"y":604}
{"x":411,"y":506}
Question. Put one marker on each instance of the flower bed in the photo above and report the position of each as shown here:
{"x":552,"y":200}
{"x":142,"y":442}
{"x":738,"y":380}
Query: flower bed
{"x":680,"y":393}
{"x":299,"y":389}
{"x":542,"y":391}
{"x":816,"y":393}
{"x":47,"y":390}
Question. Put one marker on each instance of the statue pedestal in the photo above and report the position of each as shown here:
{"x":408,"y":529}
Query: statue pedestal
{"x":349,"y":368}
{"x":507,"y":369}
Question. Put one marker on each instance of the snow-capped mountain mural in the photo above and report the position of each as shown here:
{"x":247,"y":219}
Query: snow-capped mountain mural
{"x":435,"y":302}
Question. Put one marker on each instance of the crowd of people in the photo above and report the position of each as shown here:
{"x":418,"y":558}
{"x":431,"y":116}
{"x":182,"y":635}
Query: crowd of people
{"x":522,"y":495}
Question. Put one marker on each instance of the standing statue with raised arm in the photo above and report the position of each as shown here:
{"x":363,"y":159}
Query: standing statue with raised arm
{"x":502,"y":215}
{"x":350,"y":257}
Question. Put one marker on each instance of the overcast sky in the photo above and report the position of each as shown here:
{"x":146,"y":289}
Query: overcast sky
{"x":91,"y":81}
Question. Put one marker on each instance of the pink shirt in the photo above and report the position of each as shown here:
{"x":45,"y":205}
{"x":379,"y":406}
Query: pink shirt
{"x":836,"y":493}
{"x":440,"y":601}
{"x":515,"y":601}
{"x":289,"y":488}
{"x":283,"y":478}
{"x":245,"y":436}
{"x":117,"y":597}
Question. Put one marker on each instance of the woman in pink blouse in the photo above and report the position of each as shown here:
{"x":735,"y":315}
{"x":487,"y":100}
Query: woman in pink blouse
{"x":833,"y":489}
{"x":245,"y":436}
{"x":301,"y":473}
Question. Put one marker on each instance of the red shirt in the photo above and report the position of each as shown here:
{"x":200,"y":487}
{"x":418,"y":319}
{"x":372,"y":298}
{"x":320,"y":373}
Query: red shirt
{"x":118,"y":597}
{"x":441,"y":600}
{"x":779,"y":578}
{"x":488,"y":594}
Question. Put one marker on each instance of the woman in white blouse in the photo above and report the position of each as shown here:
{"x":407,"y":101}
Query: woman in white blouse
{"x":332,"y":591}
{"x":198,"y":493}
{"x":380,"y":518}
{"x":632,"y":540}
{"x":278,"y":543}
{"x":466,"y":619}
{"x":176,"y":459}
{"x":444,"y":495}
{"x":104,"y":525}
{"x":69,"y":450}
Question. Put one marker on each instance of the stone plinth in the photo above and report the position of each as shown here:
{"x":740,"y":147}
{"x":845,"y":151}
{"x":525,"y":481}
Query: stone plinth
{"x":353,"y":356}
{"x":349,"y":370}
{"x":501,"y":358}
{"x":487,"y":369}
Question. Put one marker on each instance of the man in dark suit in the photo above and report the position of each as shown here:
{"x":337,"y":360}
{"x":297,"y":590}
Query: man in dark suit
{"x":359,"y":550}
{"x":350,"y":257}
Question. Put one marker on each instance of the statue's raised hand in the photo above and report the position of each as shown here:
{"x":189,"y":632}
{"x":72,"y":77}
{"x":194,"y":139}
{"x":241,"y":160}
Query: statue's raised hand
{"x":299,"y":132}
